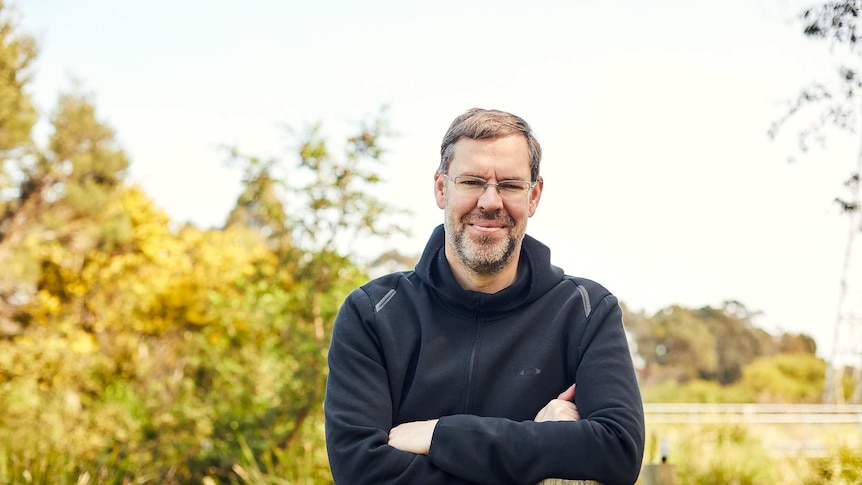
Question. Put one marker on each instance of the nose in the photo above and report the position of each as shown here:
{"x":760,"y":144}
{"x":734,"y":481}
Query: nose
{"x":490,"y":200}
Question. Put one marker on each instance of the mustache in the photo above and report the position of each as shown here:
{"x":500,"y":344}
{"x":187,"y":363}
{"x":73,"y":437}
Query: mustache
{"x":481,"y":215}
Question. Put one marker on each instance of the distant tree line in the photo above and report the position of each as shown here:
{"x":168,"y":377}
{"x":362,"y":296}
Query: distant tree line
{"x":718,"y":355}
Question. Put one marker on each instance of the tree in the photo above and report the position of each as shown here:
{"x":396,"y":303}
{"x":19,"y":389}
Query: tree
{"x":838,"y":103}
{"x":314,"y":213}
{"x":310,"y":215}
{"x":708,"y":344}
{"x":17,"y":117}
{"x":327,"y":201}
{"x":785,"y":378}
{"x":59,"y":202}
{"x":133,"y":350}
{"x":738,"y":342}
{"x":839,"y":107}
{"x":17,"y":114}
{"x":48,"y":194}
{"x":678,"y":345}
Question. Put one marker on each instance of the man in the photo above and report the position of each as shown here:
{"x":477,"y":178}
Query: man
{"x":485,"y":364}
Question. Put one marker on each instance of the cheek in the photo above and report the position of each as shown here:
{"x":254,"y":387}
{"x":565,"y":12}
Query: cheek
{"x":458,"y":205}
{"x":519,"y":211}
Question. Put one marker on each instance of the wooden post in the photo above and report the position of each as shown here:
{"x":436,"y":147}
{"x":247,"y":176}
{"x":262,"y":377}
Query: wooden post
{"x":561,"y":481}
{"x":657,"y":474}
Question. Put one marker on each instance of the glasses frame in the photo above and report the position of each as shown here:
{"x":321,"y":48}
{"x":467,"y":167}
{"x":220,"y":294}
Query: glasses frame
{"x":486,"y":184}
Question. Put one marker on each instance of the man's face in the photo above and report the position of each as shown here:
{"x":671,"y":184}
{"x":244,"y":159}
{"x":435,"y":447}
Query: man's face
{"x":485,"y":231}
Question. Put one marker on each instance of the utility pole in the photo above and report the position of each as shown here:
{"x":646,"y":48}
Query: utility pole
{"x":847,"y":337}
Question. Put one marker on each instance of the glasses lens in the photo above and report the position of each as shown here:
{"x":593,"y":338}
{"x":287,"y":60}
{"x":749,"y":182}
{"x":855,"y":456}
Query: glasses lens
{"x":514,"y":187}
{"x":469,"y":184}
{"x":475,"y":186}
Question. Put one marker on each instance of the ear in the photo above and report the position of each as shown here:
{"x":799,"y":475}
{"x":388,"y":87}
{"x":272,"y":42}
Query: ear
{"x":439,"y":184}
{"x":535,"y":195}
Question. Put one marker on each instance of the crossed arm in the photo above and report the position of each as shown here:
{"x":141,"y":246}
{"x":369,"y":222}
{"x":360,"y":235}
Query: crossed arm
{"x":415,"y":437}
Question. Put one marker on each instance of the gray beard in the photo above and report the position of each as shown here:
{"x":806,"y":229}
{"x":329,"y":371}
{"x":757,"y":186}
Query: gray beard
{"x":485,"y":256}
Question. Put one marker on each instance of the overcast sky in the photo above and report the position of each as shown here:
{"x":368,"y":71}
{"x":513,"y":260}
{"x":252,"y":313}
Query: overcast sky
{"x":661,"y":181}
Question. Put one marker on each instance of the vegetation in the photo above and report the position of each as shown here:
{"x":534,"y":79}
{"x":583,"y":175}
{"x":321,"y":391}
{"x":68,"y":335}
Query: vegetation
{"x":827,"y":108}
{"x":135,"y":351}
{"x":718,"y":454}
{"x":719,"y":355}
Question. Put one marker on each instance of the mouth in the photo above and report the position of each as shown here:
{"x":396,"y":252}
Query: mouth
{"x":488,"y":223}
{"x":487,"y":226}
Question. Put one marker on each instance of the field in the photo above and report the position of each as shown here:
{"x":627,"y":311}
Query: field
{"x":754,"y":444}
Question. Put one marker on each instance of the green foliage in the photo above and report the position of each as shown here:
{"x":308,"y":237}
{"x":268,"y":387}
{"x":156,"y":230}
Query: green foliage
{"x":17,"y":114}
{"x":684,"y":348}
{"x":718,"y":455}
{"x":171,"y":357}
{"x":678,"y":339}
{"x":826,"y":107}
{"x":134,"y":352}
{"x":696,"y":391}
{"x":796,"y":378}
{"x":841,"y":468}
{"x":336,"y":191}
{"x":738,"y":342}
{"x":83,"y":155}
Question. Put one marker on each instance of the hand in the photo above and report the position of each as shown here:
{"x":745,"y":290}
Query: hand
{"x":414,"y":437}
{"x":560,"y":409}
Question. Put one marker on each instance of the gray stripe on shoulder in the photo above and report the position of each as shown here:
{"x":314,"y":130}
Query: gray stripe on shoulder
{"x":383,"y":301}
{"x":586,"y":296}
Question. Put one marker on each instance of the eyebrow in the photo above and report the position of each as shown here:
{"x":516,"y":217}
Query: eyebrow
{"x":473,"y":174}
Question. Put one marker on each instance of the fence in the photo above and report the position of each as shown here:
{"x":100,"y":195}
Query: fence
{"x":753,"y":413}
{"x":810,"y":415}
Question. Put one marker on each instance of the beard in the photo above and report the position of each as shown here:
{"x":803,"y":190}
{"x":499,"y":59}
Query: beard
{"x":483,"y":255}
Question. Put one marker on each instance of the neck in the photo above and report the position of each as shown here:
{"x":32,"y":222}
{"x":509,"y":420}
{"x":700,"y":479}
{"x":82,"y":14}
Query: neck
{"x":470,"y":280}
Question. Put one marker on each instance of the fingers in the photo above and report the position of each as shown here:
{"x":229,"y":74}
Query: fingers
{"x":414,"y":437}
{"x":568,"y":394}
{"x":558,"y":410}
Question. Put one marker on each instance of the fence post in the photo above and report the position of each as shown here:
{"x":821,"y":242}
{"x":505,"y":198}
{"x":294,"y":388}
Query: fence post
{"x":657,"y":474}
{"x":561,"y":481}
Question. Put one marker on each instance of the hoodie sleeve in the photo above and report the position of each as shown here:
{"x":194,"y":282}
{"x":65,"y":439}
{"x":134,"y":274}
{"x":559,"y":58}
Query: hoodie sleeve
{"x":359,"y":411}
{"x":605,"y":445}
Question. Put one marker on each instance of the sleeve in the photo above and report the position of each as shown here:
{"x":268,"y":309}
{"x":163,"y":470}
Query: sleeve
{"x":606,"y":445}
{"x":358,"y":407}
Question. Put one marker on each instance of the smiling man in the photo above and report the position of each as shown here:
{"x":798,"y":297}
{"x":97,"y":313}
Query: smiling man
{"x":486,"y":363}
{"x":484,"y":228}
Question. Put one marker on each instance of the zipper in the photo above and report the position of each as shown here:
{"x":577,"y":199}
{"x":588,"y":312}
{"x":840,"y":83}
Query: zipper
{"x":472,"y":365}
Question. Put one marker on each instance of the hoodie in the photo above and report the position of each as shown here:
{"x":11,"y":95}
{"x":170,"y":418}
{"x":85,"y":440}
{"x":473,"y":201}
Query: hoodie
{"x":414,"y":346}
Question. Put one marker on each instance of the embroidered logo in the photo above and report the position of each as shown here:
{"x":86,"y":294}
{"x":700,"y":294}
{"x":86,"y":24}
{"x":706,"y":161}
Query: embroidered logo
{"x":531,"y":371}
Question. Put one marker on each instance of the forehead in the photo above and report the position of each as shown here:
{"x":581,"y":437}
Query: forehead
{"x":507,"y":156}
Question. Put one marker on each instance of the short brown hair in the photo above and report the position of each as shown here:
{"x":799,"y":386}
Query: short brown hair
{"x":478,"y":124}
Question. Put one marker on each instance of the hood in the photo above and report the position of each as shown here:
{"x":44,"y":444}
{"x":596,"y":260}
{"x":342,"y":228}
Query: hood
{"x":536,"y":276}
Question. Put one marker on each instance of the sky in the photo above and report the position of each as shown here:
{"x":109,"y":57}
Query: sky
{"x":661,"y":182}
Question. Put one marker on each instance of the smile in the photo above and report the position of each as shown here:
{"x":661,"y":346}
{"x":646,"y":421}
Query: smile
{"x":485,"y":227}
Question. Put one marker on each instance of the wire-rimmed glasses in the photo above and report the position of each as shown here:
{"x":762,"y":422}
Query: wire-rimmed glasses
{"x":476,"y":186}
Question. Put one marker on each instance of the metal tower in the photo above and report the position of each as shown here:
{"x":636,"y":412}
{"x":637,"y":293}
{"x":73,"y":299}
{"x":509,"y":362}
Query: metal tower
{"x":847,"y":340}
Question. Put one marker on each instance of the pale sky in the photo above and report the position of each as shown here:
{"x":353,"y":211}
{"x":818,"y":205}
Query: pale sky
{"x":660,"y":180}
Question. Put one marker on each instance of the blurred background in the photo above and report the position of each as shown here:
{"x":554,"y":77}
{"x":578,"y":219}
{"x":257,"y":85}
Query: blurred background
{"x":189,"y":189}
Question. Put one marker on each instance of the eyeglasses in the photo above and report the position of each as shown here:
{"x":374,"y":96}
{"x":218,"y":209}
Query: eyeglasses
{"x":476,"y":186}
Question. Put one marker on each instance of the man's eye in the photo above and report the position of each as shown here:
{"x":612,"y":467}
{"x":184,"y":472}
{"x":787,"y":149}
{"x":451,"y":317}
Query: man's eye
{"x":514,"y":187}
{"x":472,"y":183}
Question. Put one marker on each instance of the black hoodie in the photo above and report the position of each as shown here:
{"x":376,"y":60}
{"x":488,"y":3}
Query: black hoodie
{"x":414,"y":346}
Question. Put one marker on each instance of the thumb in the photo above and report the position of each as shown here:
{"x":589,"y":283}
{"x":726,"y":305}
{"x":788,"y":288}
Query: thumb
{"x":568,"y":394}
